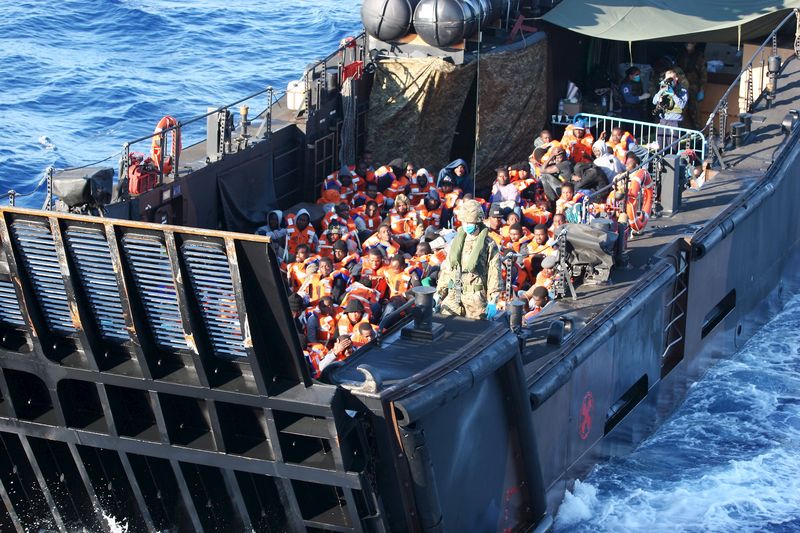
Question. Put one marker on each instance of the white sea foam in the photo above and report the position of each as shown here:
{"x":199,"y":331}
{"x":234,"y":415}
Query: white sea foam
{"x":115,"y":525}
{"x":728,"y":459}
{"x":47,"y":144}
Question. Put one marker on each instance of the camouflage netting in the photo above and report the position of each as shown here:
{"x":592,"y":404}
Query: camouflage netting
{"x":416,"y":103}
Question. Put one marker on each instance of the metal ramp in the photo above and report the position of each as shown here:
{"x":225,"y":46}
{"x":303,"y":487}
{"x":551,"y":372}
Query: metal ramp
{"x":152,"y":374}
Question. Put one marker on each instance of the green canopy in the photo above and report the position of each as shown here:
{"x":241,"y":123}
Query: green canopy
{"x":671,"y":20}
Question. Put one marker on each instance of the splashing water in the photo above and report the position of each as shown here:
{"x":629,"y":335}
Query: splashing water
{"x":727,"y":460}
{"x":115,"y":525}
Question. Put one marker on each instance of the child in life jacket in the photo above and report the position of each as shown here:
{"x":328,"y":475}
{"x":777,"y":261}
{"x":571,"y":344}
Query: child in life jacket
{"x":568,"y":198}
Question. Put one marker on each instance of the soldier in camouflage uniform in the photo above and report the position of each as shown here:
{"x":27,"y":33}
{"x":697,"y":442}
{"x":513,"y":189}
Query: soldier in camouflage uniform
{"x":470,"y":280}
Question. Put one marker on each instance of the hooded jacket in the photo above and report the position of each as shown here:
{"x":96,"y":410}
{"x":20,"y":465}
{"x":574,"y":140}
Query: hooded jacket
{"x":449,"y":170}
{"x":277,"y":235}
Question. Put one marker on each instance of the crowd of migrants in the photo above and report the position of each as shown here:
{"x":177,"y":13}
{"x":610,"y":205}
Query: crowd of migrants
{"x":388,"y":228}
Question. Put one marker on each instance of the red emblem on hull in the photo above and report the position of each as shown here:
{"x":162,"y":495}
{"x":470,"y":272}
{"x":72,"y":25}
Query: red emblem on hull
{"x":586,"y":415}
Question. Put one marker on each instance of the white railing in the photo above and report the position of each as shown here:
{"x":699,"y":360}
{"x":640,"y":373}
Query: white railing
{"x":646,"y":133}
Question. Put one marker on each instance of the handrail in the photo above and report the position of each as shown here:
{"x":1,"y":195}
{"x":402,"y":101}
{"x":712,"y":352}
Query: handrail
{"x":199,"y":117}
{"x":645,"y":132}
{"x":723,"y":102}
{"x":645,"y":163}
{"x":268,"y":90}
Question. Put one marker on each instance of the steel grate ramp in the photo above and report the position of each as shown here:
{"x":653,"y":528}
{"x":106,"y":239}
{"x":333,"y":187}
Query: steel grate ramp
{"x":150,"y":266}
{"x":92,"y":257}
{"x":39,"y":257}
{"x":210,"y":277}
{"x":9,"y":307}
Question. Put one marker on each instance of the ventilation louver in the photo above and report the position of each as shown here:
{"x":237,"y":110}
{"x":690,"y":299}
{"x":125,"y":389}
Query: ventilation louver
{"x":92,"y":257}
{"x":152,"y":275}
{"x":9,"y":307}
{"x":212,"y":285}
{"x":38,"y":254}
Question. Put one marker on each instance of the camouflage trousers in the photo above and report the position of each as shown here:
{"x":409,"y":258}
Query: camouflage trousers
{"x":473,"y":305}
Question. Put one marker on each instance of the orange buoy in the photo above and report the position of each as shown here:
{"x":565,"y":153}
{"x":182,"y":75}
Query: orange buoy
{"x":166,"y":164}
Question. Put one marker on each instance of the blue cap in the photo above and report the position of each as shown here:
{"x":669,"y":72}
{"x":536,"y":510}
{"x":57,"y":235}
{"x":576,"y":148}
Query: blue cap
{"x":579,"y":124}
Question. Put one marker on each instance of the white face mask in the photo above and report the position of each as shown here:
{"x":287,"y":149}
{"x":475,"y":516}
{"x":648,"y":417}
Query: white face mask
{"x":470,"y":228}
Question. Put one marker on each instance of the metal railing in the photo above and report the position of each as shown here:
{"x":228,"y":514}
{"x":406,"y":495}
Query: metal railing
{"x":315,"y":77}
{"x":176,"y":130}
{"x":649,"y":163}
{"x":716,"y":127}
{"x":646,"y":133}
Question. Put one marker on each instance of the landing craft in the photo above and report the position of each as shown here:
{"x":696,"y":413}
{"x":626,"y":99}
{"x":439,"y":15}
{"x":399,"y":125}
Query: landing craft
{"x":149,"y":365}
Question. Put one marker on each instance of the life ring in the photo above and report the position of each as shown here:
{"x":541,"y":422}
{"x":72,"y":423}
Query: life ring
{"x":640,"y":200}
{"x":155,"y":146}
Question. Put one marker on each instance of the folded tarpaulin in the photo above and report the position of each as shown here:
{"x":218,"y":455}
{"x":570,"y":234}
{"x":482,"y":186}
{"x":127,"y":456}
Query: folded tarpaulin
{"x":671,"y":20}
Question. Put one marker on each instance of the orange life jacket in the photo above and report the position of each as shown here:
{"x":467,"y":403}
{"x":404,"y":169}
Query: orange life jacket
{"x":297,"y":237}
{"x":580,"y":153}
{"x":358,"y":291}
{"x":331,"y":215}
{"x":397,"y":187}
{"x":372,"y":222}
{"x":326,"y":246}
{"x":399,"y":282}
{"x":358,"y":340}
{"x":416,"y":193}
{"x":296,"y":272}
{"x":522,"y":185}
{"x":496,"y":236}
{"x":375,"y":278}
{"x":332,"y":183}
{"x":346,"y":327}
{"x":569,"y":137}
{"x":562,"y":205}
{"x":527,"y":317}
{"x":423,"y":263}
{"x":429,"y":218}
{"x":390,"y":248}
{"x":534,"y":250}
{"x":533,"y":214}
{"x":526,"y":238}
{"x":621,"y":148}
{"x":315,"y":352}
{"x":348,"y":261}
{"x":543,"y":280}
{"x":327,"y":326}
{"x":361,"y":198}
{"x":451,"y":198}
{"x":403,"y":225}
{"x":320,"y":286}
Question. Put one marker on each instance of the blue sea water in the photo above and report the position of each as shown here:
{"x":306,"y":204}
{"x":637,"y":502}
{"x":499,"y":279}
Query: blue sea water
{"x":80,"y":77}
{"x":727,"y":460}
